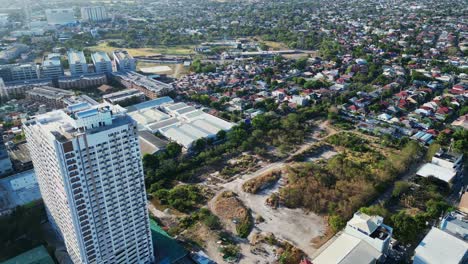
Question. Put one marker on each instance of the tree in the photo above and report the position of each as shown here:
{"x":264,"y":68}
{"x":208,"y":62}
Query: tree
{"x":336,"y":223}
{"x":401,"y":187}
{"x":301,"y":63}
{"x":405,"y":227}
{"x":431,"y":151}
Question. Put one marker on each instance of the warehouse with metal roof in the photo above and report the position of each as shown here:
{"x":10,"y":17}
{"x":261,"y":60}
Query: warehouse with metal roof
{"x":178,"y":122}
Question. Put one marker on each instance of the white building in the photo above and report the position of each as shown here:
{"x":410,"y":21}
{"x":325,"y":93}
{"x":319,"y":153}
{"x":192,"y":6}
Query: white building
{"x":124,"y":61}
{"x":62,"y":16}
{"x":364,"y":240}
{"x":102,"y":62}
{"x":77,"y":62}
{"x":445,"y":166}
{"x":178,"y":122}
{"x":441,"y":247}
{"x":88,"y":165}
{"x":51,"y":66}
{"x":94,"y":13}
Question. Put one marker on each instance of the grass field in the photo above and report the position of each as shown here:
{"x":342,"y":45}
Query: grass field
{"x":165,"y":50}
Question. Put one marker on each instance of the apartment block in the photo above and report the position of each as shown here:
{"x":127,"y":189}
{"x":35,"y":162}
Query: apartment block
{"x":94,"y":14}
{"x":124,"y":61}
{"x":88,"y":165}
{"x":77,"y":62}
{"x":102,"y":62}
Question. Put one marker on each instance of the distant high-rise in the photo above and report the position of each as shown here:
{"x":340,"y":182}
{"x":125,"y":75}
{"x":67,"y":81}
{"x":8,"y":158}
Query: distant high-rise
{"x":102,"y":62}
{"x":88,"y":165}
{"x":63,"y":16}
{"x":94,"y":14}
{"x":124,"y":61}
{"x":77,"y":63}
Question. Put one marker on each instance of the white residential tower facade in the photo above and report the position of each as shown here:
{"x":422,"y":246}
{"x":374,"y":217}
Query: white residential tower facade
{"x":88,"y":164}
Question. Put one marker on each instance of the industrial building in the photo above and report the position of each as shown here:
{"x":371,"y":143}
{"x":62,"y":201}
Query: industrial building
{"x":124,"y":61}
{"x":102,"y":62}
{"x":178,"y":122}
{"x":88,"y":165}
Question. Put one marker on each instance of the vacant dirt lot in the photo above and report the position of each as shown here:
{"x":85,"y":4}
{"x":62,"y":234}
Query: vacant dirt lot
{"x":293,"y":225}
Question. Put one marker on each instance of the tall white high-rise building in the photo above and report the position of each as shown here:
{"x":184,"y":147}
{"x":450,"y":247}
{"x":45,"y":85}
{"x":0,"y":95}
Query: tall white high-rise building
{"x":94,"y":13}
{"x":88,"y":164}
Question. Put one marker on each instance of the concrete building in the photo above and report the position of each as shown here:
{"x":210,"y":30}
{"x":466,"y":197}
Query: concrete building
{"x":51,"y":66}
{"x":94,"y":14}
{"x":64,"y":16}
{"x":6,"y":167}
{"x":50,"y":96}
{"x":88,"y":164}
{"x":77,"y":62}
{"x":82,"y":81}
{"x":364,"y":240}
{"x":102,"y":62}
{"x":124,"y":61}
{"x":18,"y":189}
{"x":445,"y":166}
{"x":18,"y":72}
{"x":19,"y":88}
{"x":439,"y":246}
{"x":150,"y":87}
{"x":130,"y":95}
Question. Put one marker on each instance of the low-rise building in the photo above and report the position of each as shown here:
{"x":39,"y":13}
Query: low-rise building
{"x":365,"y":239}
{"x":178,"y":122}
{"x":445,"y":166}
{"x":83,"y":81}
{"x":124,"y":97}
{"x":150,"y":87}
{"x":439,"y":247}
{"x":50,"y":96}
